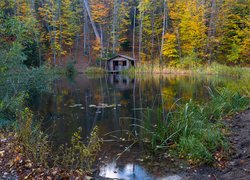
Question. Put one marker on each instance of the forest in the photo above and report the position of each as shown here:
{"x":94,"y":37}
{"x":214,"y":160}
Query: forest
{"x":124,"y":89}
{"x":149,"y":30}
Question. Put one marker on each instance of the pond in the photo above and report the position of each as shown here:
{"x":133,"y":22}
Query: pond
{"x":117,"y":105}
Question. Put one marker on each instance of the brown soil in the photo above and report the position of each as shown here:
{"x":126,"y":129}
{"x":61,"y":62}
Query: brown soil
{"x":239,"y":166}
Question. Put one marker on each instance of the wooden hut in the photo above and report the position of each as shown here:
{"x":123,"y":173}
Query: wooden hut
{"x":119,"y":63}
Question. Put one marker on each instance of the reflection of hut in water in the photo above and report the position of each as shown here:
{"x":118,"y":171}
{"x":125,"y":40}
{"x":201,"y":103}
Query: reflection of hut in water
{"x":121,"y":81}
{"x":119,"y":63}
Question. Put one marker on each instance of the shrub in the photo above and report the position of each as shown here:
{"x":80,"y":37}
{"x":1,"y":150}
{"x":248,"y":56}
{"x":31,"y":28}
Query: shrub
{"x":34,"y":142}
{"x":70,"y":69}
{"x":94,"y":70}
{"x":77,"y":155}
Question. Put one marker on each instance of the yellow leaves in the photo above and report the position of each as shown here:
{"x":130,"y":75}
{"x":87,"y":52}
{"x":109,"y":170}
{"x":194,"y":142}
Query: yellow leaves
{"x":188,"y":19}
{"x":169,"y":48}
{"x":61,"y":27}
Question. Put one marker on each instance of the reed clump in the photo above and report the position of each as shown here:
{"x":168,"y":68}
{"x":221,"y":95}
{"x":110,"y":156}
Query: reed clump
{"x":189,"y":69}
{"x":196,"y":132}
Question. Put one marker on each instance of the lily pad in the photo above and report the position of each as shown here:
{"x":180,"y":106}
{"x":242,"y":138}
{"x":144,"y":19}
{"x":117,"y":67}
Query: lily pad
{"x":75,"y":105}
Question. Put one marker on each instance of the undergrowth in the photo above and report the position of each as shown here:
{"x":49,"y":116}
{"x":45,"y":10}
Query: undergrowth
{"x":78,"y":155}
{"x":36,"y":145}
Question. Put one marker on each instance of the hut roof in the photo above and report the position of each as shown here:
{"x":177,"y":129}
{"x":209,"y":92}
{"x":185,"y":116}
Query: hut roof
{"x":123,"y":56}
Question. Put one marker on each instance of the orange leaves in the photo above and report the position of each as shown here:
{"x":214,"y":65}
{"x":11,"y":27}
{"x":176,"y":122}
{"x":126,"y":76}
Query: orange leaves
{"x":97,"y":45}
{"x":100,"y":10}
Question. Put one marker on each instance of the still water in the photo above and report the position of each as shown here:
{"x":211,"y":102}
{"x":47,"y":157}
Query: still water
{"x":116,"y":103}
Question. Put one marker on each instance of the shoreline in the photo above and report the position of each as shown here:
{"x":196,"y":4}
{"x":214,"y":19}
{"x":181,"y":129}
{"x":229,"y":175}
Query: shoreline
{"x":237,"y":167}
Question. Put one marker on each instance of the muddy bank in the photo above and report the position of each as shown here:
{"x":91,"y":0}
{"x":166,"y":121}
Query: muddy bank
{"x":238,"y":167}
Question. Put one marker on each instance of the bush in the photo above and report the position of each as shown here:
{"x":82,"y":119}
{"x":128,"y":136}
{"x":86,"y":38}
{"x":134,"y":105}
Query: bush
{"x":77,"y":155}
{"x":70,"y":69}
{"x":34,"y":142}
{"x":189,"y":62}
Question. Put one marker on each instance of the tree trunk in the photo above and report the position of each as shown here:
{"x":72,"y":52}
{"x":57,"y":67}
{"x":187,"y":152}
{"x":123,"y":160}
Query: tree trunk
{"x":178,"y":41}
{"x":164,"y":27}
{"x":153,"y":31}
{"x":114,"y":26}
{"x":211,"y":31}
{"x":85,"y":31}
{"x":134,"y":32}
{"x":101,"y":30}
{"x":140,"y":35}
{"x":86,"y":6}
{"x":60,"y":20}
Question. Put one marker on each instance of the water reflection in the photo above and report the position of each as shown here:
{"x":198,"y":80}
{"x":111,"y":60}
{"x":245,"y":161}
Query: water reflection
{"x":104,"y":101}
{"x":129,"y":172}
{"x":126,"y":172}
{"x":121,"y":82}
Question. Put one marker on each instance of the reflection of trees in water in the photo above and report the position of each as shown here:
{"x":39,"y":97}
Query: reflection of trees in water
{"x":134,"y":94}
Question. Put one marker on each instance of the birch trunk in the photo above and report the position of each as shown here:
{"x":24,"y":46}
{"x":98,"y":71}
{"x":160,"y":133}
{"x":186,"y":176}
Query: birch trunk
{"x":163,"y":28}
{"x":211,"y":31}
{"x":134,"y":32}
{"x":140,"y":35}
{"x":153,"y":31}
{"x":86,"y":6}
{"x":114,"y":26}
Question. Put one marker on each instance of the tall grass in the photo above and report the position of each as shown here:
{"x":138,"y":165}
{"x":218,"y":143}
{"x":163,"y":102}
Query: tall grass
{"x":194,"y":131}
{"x":192,"y":68}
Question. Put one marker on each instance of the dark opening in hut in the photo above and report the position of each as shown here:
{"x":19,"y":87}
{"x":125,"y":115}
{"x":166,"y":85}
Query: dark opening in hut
{"x":119,"y":63}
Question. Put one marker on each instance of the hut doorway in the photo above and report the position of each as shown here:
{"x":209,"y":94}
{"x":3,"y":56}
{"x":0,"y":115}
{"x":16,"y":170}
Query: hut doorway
{"x":115,"y":65}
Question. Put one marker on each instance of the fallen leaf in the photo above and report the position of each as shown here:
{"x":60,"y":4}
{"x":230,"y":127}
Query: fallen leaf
{"x":2,"y":153}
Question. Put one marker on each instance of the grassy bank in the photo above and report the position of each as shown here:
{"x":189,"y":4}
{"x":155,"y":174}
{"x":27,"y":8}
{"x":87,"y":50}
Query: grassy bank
{"x":213,"y":69}
{"x":94,"y":71}
{"x":194,"y":131}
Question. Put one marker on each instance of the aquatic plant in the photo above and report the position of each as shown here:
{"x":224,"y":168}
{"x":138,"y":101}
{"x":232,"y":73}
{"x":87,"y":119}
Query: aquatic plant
{"x":193,"y":130}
